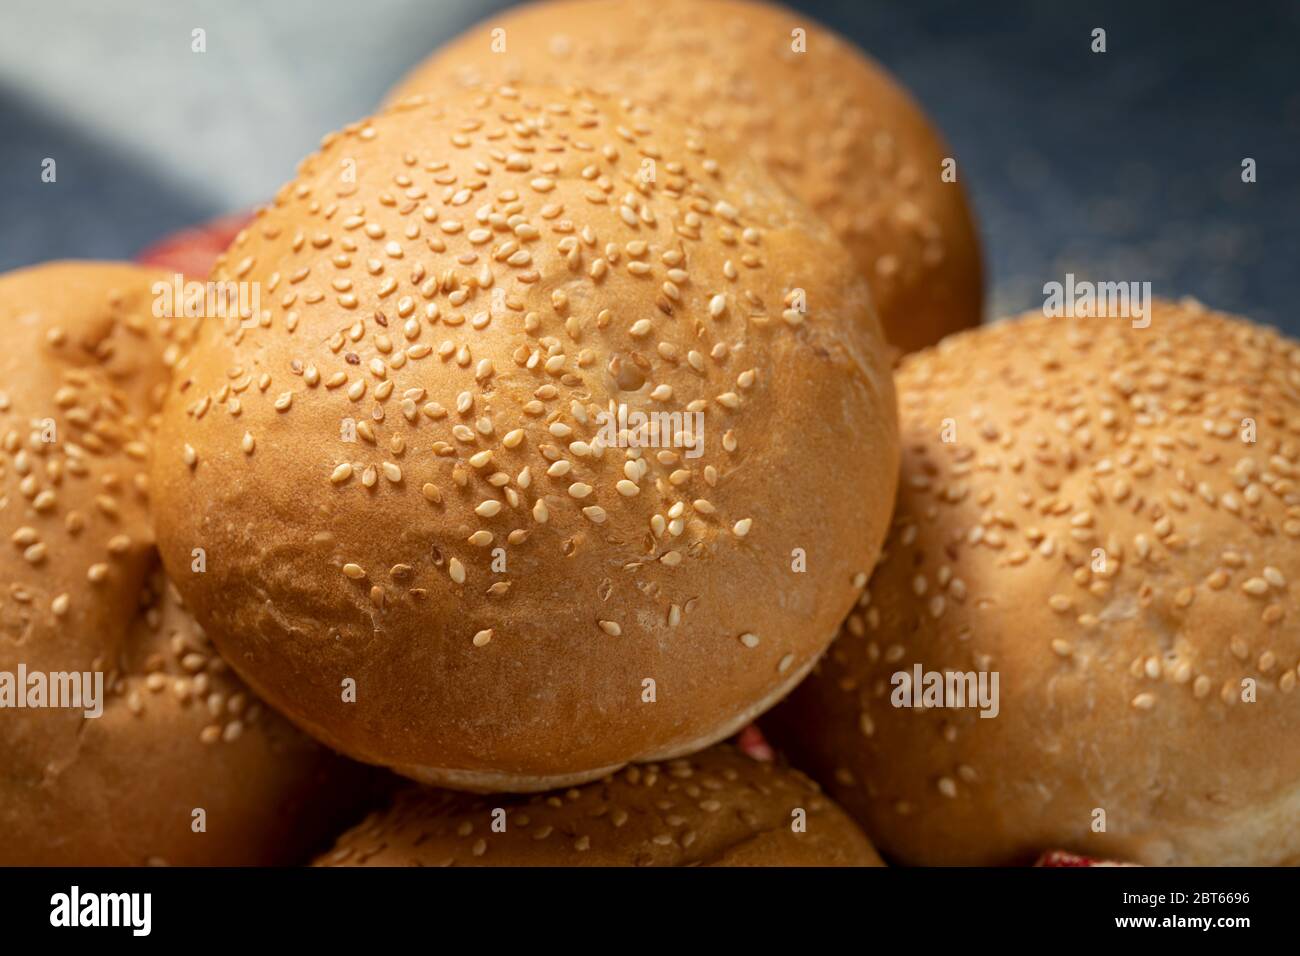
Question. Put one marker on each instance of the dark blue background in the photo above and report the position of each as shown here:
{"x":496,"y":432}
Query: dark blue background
{"x":1122,"y":166}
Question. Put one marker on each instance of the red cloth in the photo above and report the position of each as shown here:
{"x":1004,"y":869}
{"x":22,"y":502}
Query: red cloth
{"x":1062,"y":858}
{"x":192,"y":252}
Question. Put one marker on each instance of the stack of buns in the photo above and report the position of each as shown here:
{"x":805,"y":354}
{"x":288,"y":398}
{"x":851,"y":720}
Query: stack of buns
{"x":563,"y":440}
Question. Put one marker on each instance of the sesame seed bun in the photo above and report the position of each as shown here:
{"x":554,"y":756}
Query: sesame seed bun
{"x":517,"y":601}
{"x":1101,"y":536}
{"x":829,"y":123}
{"x":716,"y":808}
{"x":84,"y":362}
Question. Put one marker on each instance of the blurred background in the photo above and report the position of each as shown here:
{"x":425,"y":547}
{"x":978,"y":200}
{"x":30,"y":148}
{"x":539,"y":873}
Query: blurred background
{"x":1125,"y":164}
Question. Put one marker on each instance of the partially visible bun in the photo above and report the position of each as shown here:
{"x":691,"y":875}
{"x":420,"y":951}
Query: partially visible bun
{"x":84,"y":363}
{"x":83,"y":366}
{"x":1108,"y":518}
{"x":716,"y":808}
{"x":180,"y":733}
{"x":829,"y":123}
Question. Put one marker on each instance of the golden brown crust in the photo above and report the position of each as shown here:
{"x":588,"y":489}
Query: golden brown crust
{"x":499,"y":273}
{"x":716,"y":808}
{"x":84,"y":364}
{"x":1101,"y":536}
{"x":831,"y":124}
{"x":80,"y":371}
{"x":179,"y":734}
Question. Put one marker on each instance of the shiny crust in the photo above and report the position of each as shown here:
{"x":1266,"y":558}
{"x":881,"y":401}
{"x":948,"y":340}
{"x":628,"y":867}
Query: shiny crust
{"x":473,"y":335}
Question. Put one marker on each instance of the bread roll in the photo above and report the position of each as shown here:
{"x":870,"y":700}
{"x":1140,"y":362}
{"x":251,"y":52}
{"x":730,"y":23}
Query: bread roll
{"x":716,"y":808}
{"x":484,"y":590}
{"x":1108,"y":518}
{"x":177,"y":731}
{"x":829,"y":123}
